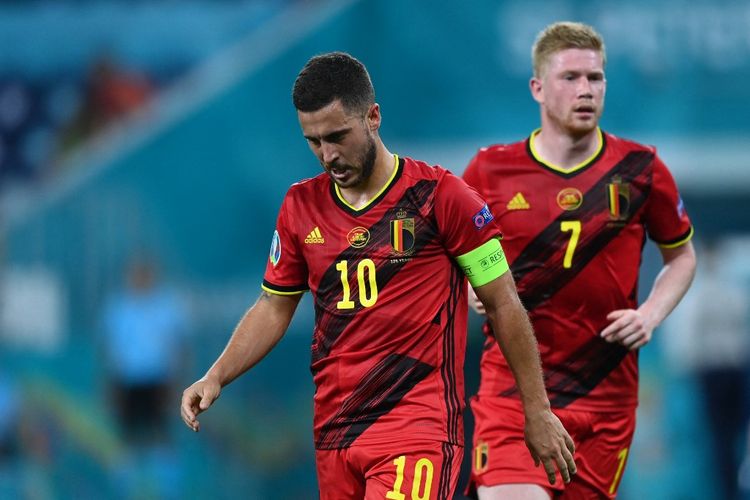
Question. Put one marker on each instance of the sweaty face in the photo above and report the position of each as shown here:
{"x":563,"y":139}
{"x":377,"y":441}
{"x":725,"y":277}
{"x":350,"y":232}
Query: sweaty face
{"x":572,"y":88}
{"x":342,"y":142}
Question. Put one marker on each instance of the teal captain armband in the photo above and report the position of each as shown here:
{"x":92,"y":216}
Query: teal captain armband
{"x":484,"y":263}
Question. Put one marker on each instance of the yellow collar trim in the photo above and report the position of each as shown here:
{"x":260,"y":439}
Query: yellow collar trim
{"x":385,"y":186}
{"x":554,"y":167}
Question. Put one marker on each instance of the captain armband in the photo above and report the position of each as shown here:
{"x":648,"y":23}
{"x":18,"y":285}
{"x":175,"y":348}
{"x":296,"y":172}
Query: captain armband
{"x":484,"y":263}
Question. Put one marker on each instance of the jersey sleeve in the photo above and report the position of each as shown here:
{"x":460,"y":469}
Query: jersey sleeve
{"x":464,"y":219}
{"x":286,"y":269}
{"x":468,"y":231}
{"x":473,"y":174}
{"x":666,"y":220}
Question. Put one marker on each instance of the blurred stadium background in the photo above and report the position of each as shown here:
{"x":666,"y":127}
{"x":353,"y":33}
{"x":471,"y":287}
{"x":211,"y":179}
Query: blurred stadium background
{"x":165,"y":129}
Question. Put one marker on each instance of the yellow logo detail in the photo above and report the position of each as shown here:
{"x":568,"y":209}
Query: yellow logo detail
{"x":315,"y":236}
{"x":518,"y":202}
{"x":358,"y":237}
{"x":569,"y":199}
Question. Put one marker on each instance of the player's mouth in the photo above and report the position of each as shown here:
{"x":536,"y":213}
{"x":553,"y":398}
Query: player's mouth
{"x":585,"y":111}
{"x":339,"y":173}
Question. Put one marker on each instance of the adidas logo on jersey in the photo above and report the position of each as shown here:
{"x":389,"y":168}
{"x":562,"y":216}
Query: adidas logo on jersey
{"x":315,"y":236}
{"x":518,"y":202}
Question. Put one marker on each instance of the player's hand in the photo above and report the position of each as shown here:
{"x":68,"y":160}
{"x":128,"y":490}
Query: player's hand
{"x":628,"y":328}
{"x":550,"y":444}
{"x":196,"y":399}
{"x":475,"y":303}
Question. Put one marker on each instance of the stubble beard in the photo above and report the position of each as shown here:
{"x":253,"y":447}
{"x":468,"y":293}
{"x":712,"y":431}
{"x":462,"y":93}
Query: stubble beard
{"x":366,"y":166}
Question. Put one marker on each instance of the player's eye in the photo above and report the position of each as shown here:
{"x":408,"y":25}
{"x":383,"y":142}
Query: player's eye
{"x":335,"y":138}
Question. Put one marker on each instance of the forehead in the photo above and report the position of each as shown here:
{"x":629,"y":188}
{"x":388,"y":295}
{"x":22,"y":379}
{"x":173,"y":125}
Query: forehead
{"x":576,"y":60}
{"x":326,"y":120}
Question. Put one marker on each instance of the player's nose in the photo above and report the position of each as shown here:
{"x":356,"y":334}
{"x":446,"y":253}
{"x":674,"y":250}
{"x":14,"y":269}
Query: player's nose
{"x":329,"y":153}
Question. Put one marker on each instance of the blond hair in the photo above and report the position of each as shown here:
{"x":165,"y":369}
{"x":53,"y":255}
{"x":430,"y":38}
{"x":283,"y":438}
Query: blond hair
{"x":564,"y":35}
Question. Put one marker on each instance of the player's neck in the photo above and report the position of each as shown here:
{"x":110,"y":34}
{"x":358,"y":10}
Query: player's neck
{"x":359,"y":196}
{"x":563,"y":149}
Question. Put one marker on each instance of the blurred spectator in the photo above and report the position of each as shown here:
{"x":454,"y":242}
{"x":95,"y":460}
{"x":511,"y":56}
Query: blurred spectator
{"x":111,"y":93}
{"x":144,"y":327}
{"x":9,"y":419}
{"x":714,"y":345}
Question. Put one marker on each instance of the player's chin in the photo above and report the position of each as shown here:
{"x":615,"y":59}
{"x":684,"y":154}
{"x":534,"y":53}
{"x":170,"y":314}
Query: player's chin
{"x":348,"y":182}
{"x":583,"y":126}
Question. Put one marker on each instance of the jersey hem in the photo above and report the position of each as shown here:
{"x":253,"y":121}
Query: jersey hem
{"x":614,"y":406}
{"x":385,"y":439}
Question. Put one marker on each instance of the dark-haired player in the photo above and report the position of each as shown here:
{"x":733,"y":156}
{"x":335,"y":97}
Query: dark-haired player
{"x":384,"y":244}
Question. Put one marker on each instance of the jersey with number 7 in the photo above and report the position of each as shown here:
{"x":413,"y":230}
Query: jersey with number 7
{"x":574,"y":239}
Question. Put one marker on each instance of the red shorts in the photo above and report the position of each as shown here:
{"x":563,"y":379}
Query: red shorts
{"x":409,"y":469}
{"x":500,"y":455}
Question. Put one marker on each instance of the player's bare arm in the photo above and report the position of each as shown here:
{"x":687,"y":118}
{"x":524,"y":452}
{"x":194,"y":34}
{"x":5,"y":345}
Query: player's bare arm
{"x":548,"y":441}
{"x":633,"y":328}
{"x":259,"y":330}
{"x":474,"y":302}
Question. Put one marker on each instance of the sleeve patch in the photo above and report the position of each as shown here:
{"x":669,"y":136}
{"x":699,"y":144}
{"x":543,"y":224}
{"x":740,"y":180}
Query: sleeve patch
{"x":482,"y":217}
{"x":275,"y":254}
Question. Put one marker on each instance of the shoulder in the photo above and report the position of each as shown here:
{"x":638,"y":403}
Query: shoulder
{"x":419,"y":168}
{"x":307,"y":187}
{"x":443,"y":180}
{"x":497,"y":155}
{"x":618,"y":143}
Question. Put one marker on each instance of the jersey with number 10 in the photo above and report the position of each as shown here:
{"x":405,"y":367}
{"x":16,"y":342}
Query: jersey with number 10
{"x":390,"y":301}
{"x":574,"y":240}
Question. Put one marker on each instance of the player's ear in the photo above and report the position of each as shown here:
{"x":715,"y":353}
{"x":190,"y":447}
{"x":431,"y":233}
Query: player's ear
{"x":373,"y":117}
{"x":537,"y":92}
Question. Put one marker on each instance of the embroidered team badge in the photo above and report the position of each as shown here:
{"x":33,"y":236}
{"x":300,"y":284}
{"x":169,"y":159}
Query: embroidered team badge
{"x":402,"y":234}
{"x":618,"y":195}
{"x":481,"y":457}
{"x":518,"y":202}
{"x":358,"y":237}
{"x":275,"y":254}
{"x":569,"y":199}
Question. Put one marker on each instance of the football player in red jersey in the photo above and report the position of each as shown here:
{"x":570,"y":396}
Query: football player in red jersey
{"x":385,"y":245}
{"x":576,"y":204}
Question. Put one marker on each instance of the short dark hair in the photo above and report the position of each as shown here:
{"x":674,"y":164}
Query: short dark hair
{"x":331,"y":76}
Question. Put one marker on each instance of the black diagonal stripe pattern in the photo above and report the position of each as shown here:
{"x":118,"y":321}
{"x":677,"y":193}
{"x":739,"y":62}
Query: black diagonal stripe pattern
{"x":444,"y":481}
{"x":537,"y":284}
{"x":580,"y":374}
{"x":591,"y":364}
{"x":448,"y":370}
{"x":417,"y":198}
{"x":379,"y":391}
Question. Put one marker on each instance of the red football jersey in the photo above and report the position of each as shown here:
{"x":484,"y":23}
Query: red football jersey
{"x":390,"y":301}
{"x":574,"y":240}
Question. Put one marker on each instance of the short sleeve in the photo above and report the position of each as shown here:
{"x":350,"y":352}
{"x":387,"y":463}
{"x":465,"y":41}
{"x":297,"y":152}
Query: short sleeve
{"x":471,"y":173}
{"x":464,"y":219}
{"x":286,"y":269}
{"x":666,"y":219}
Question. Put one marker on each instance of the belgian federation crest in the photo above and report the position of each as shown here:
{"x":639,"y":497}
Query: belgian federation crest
{"x":618,"y":195}
{"x":402,"y":234}
{"x":481,"y":457}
